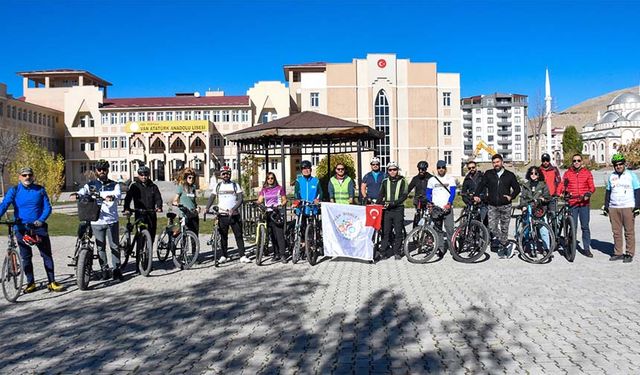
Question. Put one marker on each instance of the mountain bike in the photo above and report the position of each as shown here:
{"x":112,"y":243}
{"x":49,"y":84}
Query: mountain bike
{"x":263,"y":233}
{"x":425,"y":240}
{"x":564,"y":228}
{"x":313,"y":232}
{"x":12,"y":272}
{"x":470,"y":238}
{"x":137,"y":234}
{"x":534,"y":237}
{"x":214,"y":241}
{"x":88,"y":211}
{"x":182,"y":243}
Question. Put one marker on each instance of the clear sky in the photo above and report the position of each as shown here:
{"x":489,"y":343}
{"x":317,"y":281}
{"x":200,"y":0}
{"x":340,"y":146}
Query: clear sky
{"x":158,"y":48}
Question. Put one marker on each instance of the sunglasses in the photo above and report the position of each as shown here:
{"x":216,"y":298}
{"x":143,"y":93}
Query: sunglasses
{"x":102,"y":169}
{"x":339,"y":169}
{"x":143,"y":174}
{"x":615,"y":165}
{"x":225,"y":174}
{"x":577,"y":160}
{"x":533,"y":174}
{"x":270,"y":178}
{"x":422,"y":169}
{"x":472,"y":168}
{"x":392,"y":169}
{"x":303,"y":168}
{"x":442,"y":167}
{"x":27,"y":175}
{"x":372,"y":164}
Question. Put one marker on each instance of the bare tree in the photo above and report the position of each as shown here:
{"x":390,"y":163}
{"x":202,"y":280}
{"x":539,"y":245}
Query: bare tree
{"x":8,"y":149}
{"x":537,"y":126}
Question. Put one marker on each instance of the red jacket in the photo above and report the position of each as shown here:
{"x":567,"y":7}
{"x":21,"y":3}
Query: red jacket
{"x":552,"y":179}
{"x":577,"y":183}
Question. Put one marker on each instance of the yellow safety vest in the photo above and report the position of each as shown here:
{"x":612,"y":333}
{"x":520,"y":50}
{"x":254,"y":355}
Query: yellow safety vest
{"x":341,"y":190}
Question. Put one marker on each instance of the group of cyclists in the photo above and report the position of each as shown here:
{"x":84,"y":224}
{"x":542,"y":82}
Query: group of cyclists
{"x":491,"y":192}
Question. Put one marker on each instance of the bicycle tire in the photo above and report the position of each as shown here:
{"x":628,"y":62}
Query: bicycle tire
{"x":215,"y":246}
{"x":187,"y":250}
{"x":144,"y":257}
{"x":84,"y":268}
{"x":525,"y":246}
{"x":295,"y":252}
{"x":477,"y":238}
{"x":125,"y":251}
{"x":261,"y":243}
{"x":421,"y":240}
{"x":12,"y":276}
{"x":569,"y":236}
{"x":311,"y":247}
{"x":163,"y":246}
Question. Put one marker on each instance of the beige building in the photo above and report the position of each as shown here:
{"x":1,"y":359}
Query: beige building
{"x":165,"y":133}
{"x":415,"y":106}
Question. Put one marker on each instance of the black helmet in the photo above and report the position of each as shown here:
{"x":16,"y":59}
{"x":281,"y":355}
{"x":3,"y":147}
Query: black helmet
{"x":305,"y":164}
{"x":545,"y":157}
{"x":144,"y":170}
{"x":423,"y":165}
{"x":102,"y":164}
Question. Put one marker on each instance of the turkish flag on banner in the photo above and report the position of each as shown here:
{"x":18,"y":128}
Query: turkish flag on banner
{"x":374,"y":216}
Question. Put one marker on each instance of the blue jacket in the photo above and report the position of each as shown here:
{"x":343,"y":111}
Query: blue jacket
{"x":30,"y":203}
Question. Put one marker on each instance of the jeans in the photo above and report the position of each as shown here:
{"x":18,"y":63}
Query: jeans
{"x":26,"y":254}
{"x":583,"y":212}
{"x":102,"y":232}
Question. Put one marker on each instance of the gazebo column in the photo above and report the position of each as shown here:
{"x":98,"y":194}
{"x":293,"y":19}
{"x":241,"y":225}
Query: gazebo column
{"x":357,"y":187}
{"x":266,"y":159}
{"x":238,"y":161}
{"x":282,"y":161}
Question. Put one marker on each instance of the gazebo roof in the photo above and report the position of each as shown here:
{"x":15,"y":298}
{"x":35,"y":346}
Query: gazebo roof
{"x":306,"y":126}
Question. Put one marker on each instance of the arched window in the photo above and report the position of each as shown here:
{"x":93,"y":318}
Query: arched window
{"x":381,"y":111}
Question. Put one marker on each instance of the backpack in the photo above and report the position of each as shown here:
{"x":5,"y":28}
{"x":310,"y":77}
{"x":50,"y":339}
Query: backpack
{"x":235,"y":187}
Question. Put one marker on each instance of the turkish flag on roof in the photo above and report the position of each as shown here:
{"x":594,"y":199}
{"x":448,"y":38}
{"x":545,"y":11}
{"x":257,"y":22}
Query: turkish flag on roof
{"x":374,"y":216}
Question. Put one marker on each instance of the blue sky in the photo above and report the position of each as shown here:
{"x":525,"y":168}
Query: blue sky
{"x":157,"y":48}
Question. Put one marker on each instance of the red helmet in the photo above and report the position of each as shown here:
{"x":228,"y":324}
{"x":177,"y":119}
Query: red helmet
{"x":225,"y":169}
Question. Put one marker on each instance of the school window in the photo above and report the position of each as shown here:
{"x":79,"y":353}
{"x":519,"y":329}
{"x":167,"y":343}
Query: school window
{"x":160,"y":116}
{"x":226,"y":142}
{"x":315,"y":159}
{"x":114,"y":142}
{"x":123,"y":142}
{"x":168,"y":116}
{"x":216,"y":116}
{"x":490,"y":120}
{"x":83,"y":168}
{"x":235,"y":116}
{"x":447,"y":157}
{"x":105,"y":142}
{"x":245,"y":116}
{"x":92,"y":146}
{"x":187,"y":115}
{"x":114,"y":167}
{"x":207,"y":115}
{"x":274,"y":164}
{"x":178,"y":115}
{"x":315,"y":99}
{"x":123,"y":166}
{"x":447,"y":128}
{"x":83,"y":146}
{"x":197,"y":115}
{"x":131,"y":116}
{"x":446,"y":99}
{"x":225,"y":117}
{"x":114,"y":118}
{"x":216,"y":141}
{"x":151,"y":116}
{"x":142,"y":116}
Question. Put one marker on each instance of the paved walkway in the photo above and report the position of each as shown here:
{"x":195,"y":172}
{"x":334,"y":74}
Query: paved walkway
{"x":499,"y":316}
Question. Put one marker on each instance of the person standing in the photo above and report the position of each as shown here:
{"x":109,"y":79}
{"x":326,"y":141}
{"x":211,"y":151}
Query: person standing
{"x":341,"y":186}
{"x":106,"y":228}
{"x":469,"y":186}
{"x":145,"y":196}
{"x":622,"y":203}
{"x":577,"y":182}
{"x":31,"y":207}
{"x":535,"y":191}
{"x":230,"y":198}
{"x":274,"y":197}
{"x":186,"y":196}
{"x":441,"y":190}
{"x":419,"y":183}
{"x":393,"y":193}
{"x":370,"y":186}
{"x":552,"y":178}
{"x":501,"y":187}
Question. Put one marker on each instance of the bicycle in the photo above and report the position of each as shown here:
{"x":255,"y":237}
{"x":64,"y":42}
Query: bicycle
{"x":470,"y":238}
{"x":214,"y":241}
{"x":182,"y":243}
{"x":88,"y":211}
{"x":531,"y":233}
{"x":564,"y":228}
{"x":425,"y":240}
{"x":313,"y":232}
{"x":12,"y":272}
{"x":137,"y":233}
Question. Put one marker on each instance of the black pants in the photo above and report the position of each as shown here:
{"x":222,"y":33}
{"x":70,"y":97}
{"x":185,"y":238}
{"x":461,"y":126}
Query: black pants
{"x":235,"y":222}
{"x":393,"y":220}
{"x":151,"y":219}
{"x":193,"y":224}
{"x":276,"y":232}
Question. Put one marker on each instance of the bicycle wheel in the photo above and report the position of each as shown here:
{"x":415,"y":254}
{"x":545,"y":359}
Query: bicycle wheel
{"x":312,"y":246}
{"x":468,"y":246}
{"x":144,"y":251}
{"x":216,"y":246}
{"x":164,"y":246}
{"x":568,"y":238}
{"x":421,"y":244}
{"x":531,"y":242}
{"x":84,"y":268}
{"x":187,"y":250}
{"x":125,"y":250}
{"x":261,"y":243}
{"x":295,"y":252}
{"x":12,"y":276}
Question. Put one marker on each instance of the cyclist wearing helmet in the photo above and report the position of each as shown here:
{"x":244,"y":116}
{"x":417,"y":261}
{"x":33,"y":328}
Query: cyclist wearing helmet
{"x":622,"y":202}
{"x":307,"y":187}
{"x":393,"y":193}
{"x":419,"y":182}
{"x":146,"y":196}
{"x":577,"y":182}
{"x":106,"y":227}
{"x":371,"y":182}
{"x":31,"y":206}
{"x":551,"y":174}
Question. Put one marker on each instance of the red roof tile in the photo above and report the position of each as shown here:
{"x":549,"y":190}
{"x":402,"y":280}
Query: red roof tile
{"x":176,"y":101}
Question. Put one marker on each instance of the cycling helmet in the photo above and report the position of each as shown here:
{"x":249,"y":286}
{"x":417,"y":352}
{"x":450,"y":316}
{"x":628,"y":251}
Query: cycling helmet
{"x":423,"y":165}
{"x":392,"y":164}
{"x":617,"y":158}
{"x":143,"y":170}
{"x":545,"y":157}
{"x":102,"y":164}
{"x":375,"y":160}
{"x":305,"y":164}
{"x":225,"y":169}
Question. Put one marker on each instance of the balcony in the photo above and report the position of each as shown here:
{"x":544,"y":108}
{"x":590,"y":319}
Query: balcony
{"x":504,"y":104}
{"x":467,"y":125}
{"x":504,"y":133}
{"x":467,"y":116}
{"x":468,"y":152}
{"x":468,"y":143}
{"x":504,"y":141}
{"x":504,"y":114}
{"x":504,"y":150}
{"x":504,"y":123}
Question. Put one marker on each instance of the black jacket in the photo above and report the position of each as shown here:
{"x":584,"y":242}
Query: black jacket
{"x":496,"y":188}
{"x":469,"y":186}
{"x":420,"y":184}
{"x":145,"y":196}
{"x":394,"y":184}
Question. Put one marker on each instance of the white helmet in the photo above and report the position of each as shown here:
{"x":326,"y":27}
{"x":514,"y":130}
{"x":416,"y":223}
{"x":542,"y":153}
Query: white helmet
{"x":392,"y":164}
{"x":375,"y":160}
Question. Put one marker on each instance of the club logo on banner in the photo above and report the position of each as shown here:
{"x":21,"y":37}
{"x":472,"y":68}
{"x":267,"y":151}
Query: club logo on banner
{"x":345,"y":233}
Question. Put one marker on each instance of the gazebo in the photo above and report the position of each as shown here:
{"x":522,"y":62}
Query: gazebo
{"x":305,"y":133}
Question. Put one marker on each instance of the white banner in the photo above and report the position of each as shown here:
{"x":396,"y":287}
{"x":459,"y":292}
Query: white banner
{"x":344,"y":233}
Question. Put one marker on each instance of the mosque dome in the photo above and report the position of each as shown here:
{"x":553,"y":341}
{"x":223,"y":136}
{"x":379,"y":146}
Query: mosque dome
{"x":609,"y":116}
{"x":626,"y":97}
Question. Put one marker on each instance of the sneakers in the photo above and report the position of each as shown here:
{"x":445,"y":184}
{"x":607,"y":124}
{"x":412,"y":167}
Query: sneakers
{"x":588,"y":254}
{"x":627,"y":258}
{"x":222,"y":259}
{"x":613,"y":258}
{"x":55,"y":287}
{"x":244,"y":259}
{"x":117,"y":275}
{"x":31,"y":287}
